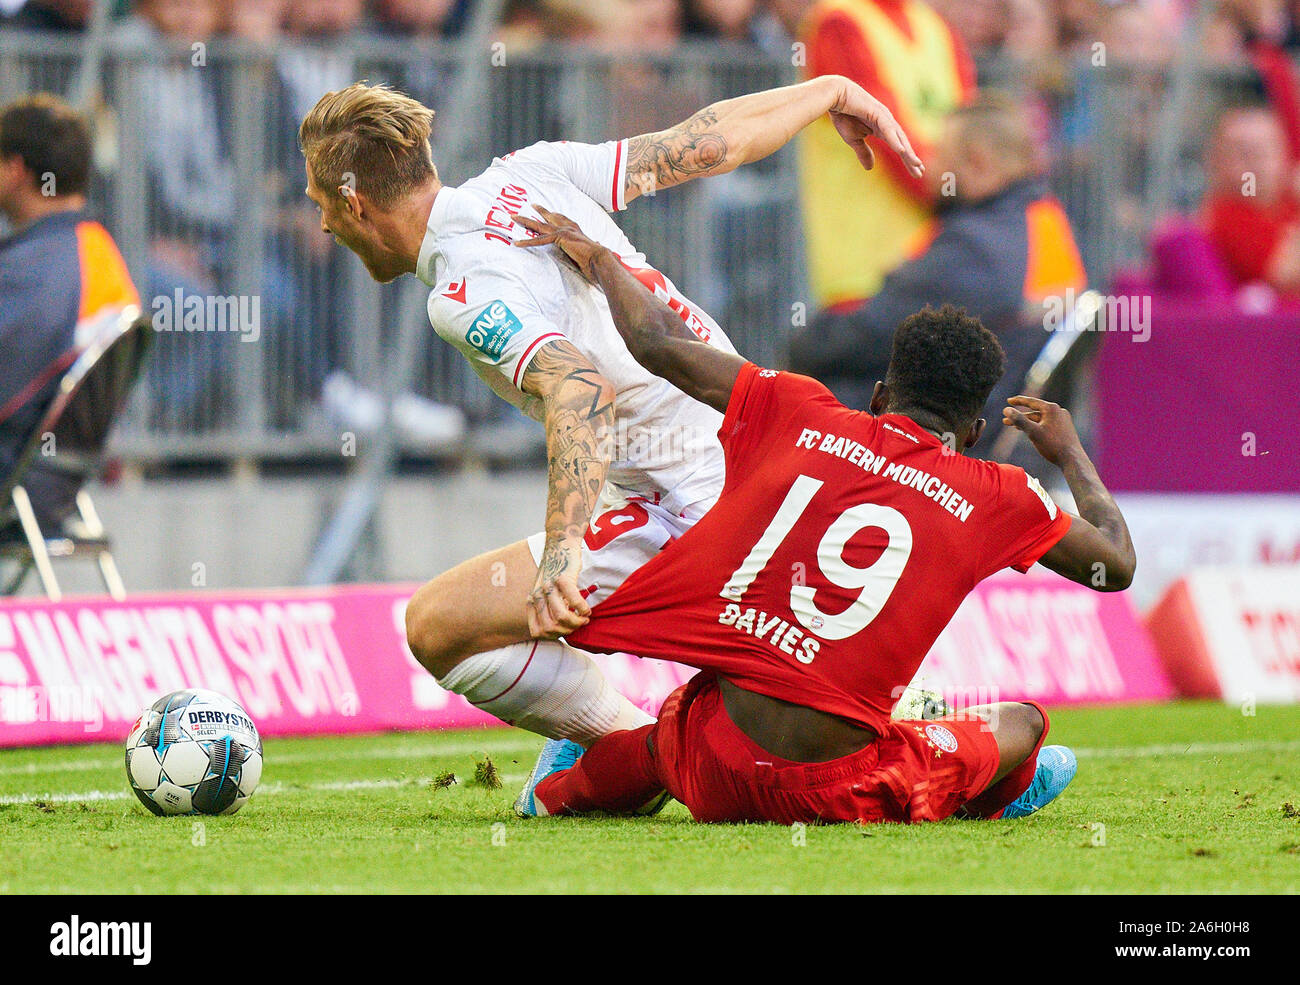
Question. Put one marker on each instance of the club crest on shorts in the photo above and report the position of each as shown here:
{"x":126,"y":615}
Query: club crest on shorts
{"x":941,"y":738}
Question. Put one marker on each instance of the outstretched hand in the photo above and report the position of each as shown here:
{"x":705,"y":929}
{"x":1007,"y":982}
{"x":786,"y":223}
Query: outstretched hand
{"x":859,"y":115}
{"x":560,"y":230}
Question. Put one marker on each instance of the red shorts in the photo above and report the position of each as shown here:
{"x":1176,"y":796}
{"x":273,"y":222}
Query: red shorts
{"x":915,"y":771}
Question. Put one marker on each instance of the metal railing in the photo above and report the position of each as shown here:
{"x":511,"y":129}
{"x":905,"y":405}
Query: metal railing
{"x":201,"y":184}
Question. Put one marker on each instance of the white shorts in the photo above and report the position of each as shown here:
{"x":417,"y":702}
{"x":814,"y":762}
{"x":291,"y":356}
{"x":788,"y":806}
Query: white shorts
{"x":626,"y":531}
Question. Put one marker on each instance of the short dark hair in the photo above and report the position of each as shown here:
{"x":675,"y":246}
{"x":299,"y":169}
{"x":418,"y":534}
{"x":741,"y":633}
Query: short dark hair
{"x":945,"y":362}
{"x":51,"y":138}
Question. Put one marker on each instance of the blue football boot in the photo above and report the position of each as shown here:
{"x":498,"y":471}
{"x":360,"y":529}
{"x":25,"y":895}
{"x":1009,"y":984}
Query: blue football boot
{"x":556,"y":755}
{"x":1056,"y":768}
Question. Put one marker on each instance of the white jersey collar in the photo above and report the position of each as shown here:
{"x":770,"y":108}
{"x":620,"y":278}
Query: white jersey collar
{"x":428,"y":246}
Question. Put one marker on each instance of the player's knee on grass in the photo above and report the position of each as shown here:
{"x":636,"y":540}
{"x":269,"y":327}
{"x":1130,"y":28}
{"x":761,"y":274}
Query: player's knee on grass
{"x":1017,"y":728}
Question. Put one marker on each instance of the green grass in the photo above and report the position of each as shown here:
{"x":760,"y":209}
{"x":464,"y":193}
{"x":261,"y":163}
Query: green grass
{"x":1186,"y":798}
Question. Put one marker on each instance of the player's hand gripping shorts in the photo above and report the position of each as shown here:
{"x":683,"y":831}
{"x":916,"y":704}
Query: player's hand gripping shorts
{"x":916,"y":771}
{"x":626,"y":531}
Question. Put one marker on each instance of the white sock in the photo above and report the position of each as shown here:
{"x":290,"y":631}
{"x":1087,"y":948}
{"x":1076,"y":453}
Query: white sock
{"x":546,"y":687}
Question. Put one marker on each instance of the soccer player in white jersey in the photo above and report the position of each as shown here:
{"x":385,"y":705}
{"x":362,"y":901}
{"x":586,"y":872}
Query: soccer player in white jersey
{"x":633,"y":463}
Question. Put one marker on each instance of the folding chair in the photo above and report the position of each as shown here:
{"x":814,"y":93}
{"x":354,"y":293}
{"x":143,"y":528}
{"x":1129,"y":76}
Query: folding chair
{"x":76,"y":427}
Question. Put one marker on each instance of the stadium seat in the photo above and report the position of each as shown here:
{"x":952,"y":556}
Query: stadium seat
{"x":76,"y":427}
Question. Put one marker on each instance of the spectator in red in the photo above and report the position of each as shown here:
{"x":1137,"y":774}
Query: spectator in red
{"x":1252,"y":213}
{"x":1262,"y":26}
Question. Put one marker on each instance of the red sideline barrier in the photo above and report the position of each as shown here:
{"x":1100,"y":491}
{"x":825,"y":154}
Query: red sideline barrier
{"x":1232,"y":633}
{"x":335,"y":660}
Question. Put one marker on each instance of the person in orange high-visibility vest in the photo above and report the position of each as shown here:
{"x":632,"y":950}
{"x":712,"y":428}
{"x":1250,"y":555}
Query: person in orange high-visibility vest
{"x":59,"y":269}
{"x":860,"y":225}
{"x":1002,"y":249}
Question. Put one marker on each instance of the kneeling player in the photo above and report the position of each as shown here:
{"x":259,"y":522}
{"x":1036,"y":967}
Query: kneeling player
{"x":808,"y":596}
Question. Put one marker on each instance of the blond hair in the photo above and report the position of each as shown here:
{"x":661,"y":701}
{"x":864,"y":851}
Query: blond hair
{"x":372,"y":138}
{"x":997,"y":120}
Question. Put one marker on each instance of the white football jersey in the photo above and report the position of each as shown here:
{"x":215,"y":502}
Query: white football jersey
{"x":499,"y":304}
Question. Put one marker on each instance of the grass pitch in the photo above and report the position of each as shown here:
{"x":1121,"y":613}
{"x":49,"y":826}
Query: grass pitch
{"x":1183,"y":798}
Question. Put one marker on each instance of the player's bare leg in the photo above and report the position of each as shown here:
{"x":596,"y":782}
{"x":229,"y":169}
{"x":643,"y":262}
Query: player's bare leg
{"x":1017,"y":727}
{"x":468,"y":627}
{"x":478,"y":605}
{"x":1029,"y":775}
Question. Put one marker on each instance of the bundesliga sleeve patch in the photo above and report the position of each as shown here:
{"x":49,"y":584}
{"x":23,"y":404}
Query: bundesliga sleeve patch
{"x":493,"y":329}
{"x":1041,"y":493}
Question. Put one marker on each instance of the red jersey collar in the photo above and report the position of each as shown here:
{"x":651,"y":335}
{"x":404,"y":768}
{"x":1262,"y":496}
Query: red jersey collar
{"x":901,"y":423}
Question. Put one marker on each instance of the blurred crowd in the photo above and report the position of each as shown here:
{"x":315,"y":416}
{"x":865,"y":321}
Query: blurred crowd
{"x":1029,"y":29}
{"x":1003,"y":96}
{"x":644,"y":25}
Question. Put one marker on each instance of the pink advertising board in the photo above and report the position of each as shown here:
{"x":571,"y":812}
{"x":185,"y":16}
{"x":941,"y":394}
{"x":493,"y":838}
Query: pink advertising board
{"x":299,"y":661}
{"x":335,"y":660}
{"x":1041,"y":637}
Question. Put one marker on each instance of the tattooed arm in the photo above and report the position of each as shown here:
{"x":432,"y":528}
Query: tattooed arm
{"x":723,"y":136}
{"x":578,"y":412}
{"x":654,"y":334}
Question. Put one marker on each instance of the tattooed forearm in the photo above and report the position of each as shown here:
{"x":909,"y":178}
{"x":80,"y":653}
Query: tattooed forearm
{"x":577,"y":469}
{"x":734,"y":132}
{"x":667,"y":158}
{"x":557,"y":556}
{"x":579,"y":416}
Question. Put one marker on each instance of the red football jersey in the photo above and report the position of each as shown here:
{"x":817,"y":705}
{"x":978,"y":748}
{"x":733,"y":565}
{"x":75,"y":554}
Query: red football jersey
{"x":840,"y":547}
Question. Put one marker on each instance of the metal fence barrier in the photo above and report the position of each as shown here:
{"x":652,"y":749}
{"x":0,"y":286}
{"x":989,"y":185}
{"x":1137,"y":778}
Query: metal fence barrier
{"x":200,"y":180}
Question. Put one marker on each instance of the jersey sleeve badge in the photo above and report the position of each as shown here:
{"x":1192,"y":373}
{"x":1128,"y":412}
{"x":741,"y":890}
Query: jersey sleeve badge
{"x":1041,"y":493}
{"x":493,"y":329}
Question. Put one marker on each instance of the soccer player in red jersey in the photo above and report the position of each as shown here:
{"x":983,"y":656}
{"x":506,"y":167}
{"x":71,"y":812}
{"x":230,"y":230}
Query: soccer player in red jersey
{"x":842,"y":544}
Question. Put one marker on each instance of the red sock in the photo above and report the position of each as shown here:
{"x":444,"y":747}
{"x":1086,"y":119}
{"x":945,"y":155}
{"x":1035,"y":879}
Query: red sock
{"x":617,"y":775}
{"x":989,"y":804}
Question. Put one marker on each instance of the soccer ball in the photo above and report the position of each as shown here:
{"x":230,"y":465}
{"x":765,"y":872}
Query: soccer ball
{"x":194,"y":752}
